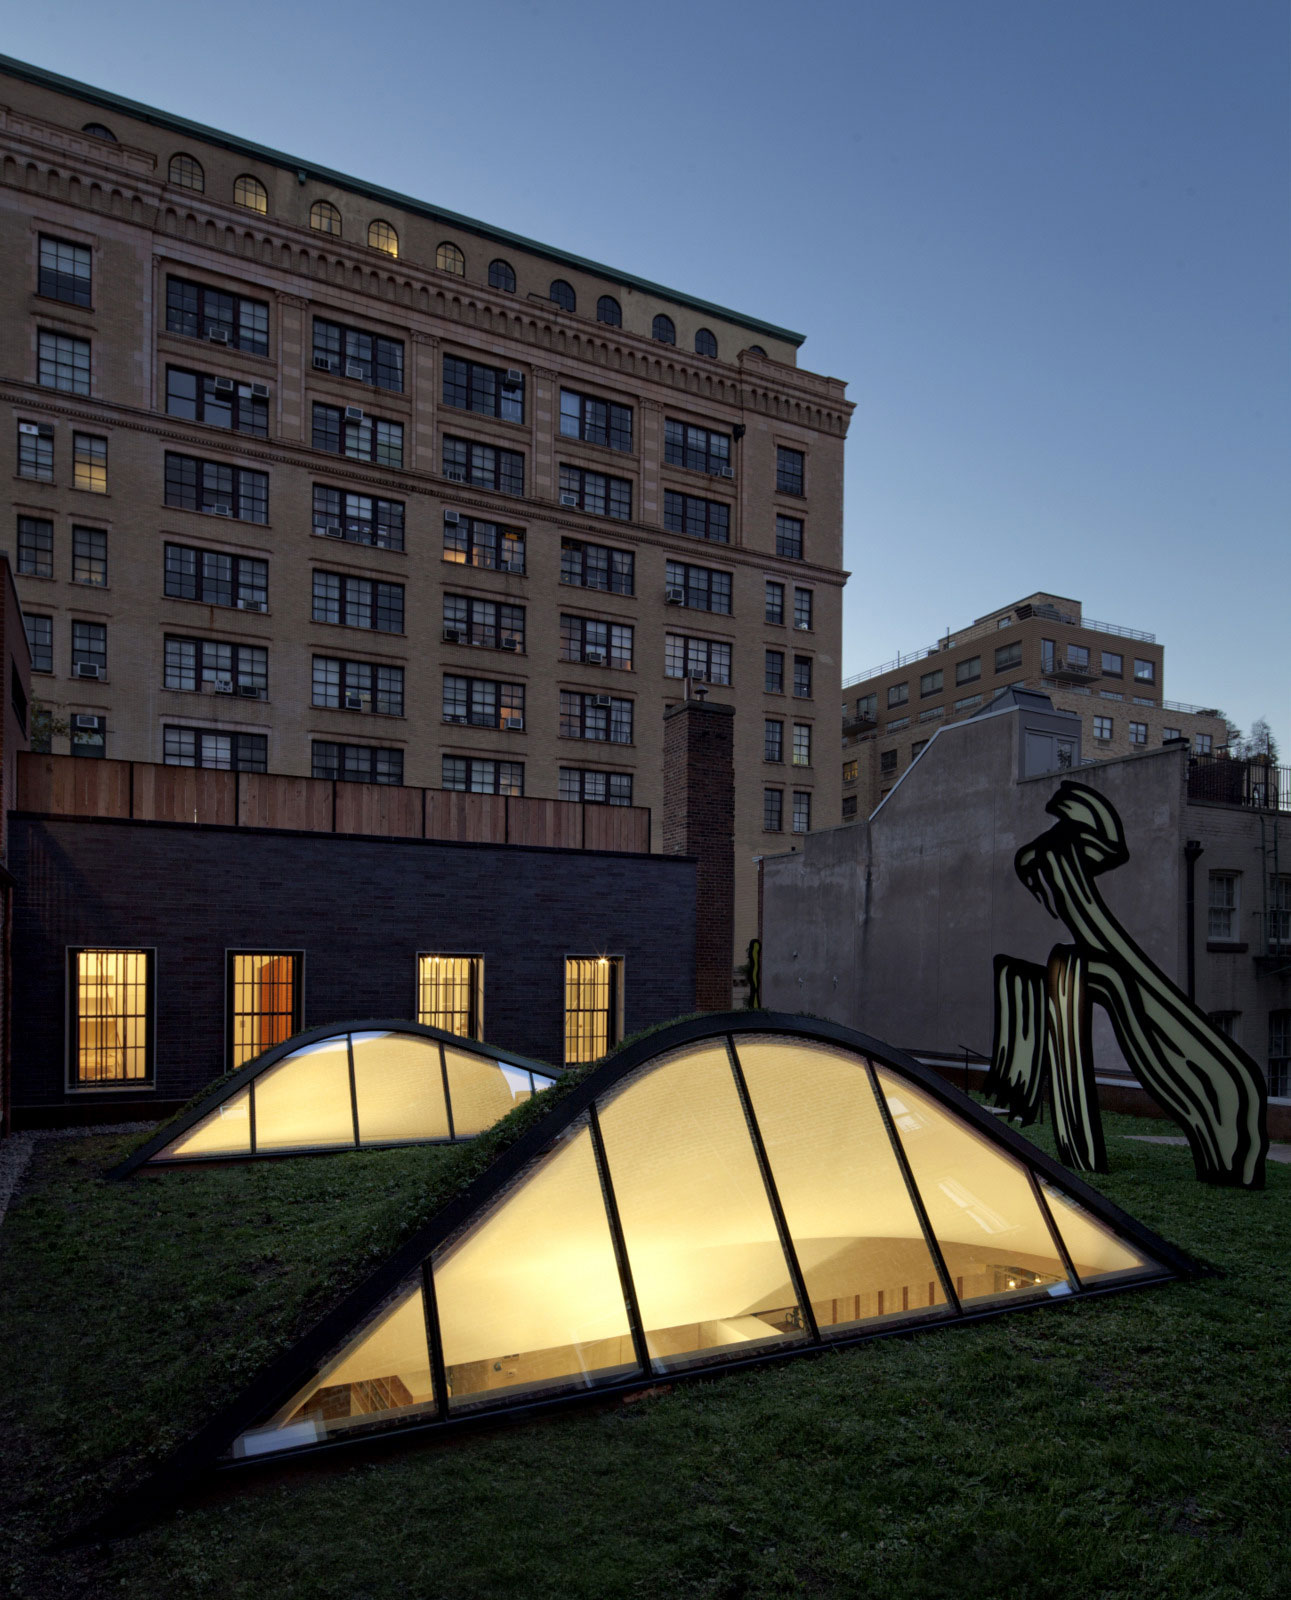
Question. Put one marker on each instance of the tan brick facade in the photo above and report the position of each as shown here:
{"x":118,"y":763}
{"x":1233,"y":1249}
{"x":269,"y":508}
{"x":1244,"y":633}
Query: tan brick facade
{"x":141,"y":230}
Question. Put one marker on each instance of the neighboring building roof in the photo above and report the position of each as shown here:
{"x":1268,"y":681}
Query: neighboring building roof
{"x":295,"y":164}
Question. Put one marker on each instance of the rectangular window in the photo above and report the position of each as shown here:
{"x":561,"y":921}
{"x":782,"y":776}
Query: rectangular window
{"x":264,"y":1002}
{"x":488,"y":391}
{"x":212,"y":486}
{"x":1078,"y":656}
{"x":1279,"y":931}
{"x":1145,"y":671}
{"x":1226,"y":1022}
{"x":1048,"y":655}
{"x":593,"y":997}
{"x":358,"y":686}
{"x":484,"y":466}
{"x":450,"y":994}
{"x":487,"y":623}
{"x":582,"y":416}
{"x":201,"y":313}
{"x":358,"y":602}
{"x":1008,"y":656}
{"x":600,"y":717}
{"x":802,"y":677}
{"x":359,"y":437}
{"x":36,"y":547}
{"x":887,"y":763}
{"x":63,"y":362}
{"x":772,"y":740}
{"x":1138,"y":733}
{"x":1280,"y":1053}
{"x":90,"y":736}
{"x":697,"y":448}
{"x":36,"y":451}
{"x":351,"y":353}
{"x":90,"y":557}
{"x":471,"y":775}
{"x":802,"y":744}
{"x":774,"y":672}
{"x":357,"y":763}
{"x":801,"y":811}
{"x":893,"y":723}
{"x":89,"y":463}
{"x":472,"y":542}
{"x":216,"y":579}
{"x":1204,"y":744}
{"x":867,"y":707}
{"x":775,"y":603}
{"x":89,"y":648}
{"x":849,"y":806}
{"x":708,"y":660}
{"x":225,"y":752}
{"x":1223,"y":907}
{"x":362,"y":518}
{"x":600,"y":644}
{"x":1102,"y":727}
{"x":932,"y":714}
{"x":594,"y":566}
{"x":850,"y":771}
{"x":595,"y":493}
{"x":699,"y":587}
{"x":216,"y":668}
{"x":700,"y":519}
{"x":111,"y":1004}
{"x":968,"y":671}
{"x":788,"y":537}
{"x":40,"y":636}
{"x":64,"y":271}
{"x":772,"y":810}
{"x":898,"y":694}
{"x":1113,"y":664}
{"x":803,"y":610}
{"x":1167,"y":734}
{"x":789,"y":470}
{"x":218,"y":402}
{"x":593,"y":787}
{"x":931,"y":683}
{"x":917,"y":748}
{"x":483,"y":702}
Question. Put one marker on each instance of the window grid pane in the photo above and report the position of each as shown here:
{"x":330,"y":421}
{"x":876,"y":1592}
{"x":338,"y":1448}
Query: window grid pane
{"x":262,"y":1004}
{"x":111,"y":1016}
{"x":448,"y":990}
{"x":591,"y":1004}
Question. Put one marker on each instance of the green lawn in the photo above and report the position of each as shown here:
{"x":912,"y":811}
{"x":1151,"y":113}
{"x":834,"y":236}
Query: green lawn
{"x":1137,"y":1446}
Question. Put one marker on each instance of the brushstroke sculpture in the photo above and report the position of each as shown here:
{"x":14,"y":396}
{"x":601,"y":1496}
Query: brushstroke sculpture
{"x":1201,"y":1078}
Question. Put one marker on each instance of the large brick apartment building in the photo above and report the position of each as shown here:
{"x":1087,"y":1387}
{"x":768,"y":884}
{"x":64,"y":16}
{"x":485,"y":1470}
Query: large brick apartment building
{"x":1112,"y":677}
{"x":317,"y":479}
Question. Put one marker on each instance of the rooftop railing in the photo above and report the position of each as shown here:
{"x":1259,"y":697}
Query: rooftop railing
{"x":1230,"y":781}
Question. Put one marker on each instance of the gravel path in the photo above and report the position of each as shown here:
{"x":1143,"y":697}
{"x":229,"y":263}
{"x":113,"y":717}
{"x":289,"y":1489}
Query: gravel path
{"x":16,"y":1151}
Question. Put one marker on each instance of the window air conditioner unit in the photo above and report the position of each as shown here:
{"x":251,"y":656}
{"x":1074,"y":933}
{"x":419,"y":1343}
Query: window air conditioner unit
{"x":515,"y":721}
{"x":218,"y":335}
{"x":673,"y":596}
{"x":803,"y":627}
{"x":728,"y":472}
{"x":322,"y":363}
{"x":594,"y":658}
{"x":221,"y":685}
{"x":220,"y":509}
{"x":88,"y":669}
{"x":510,"y":566}
{"x":455,"y":474}
{"x":698,"y":677}
{"x":354,"y":413}
{"x":353,"y":369}
{"x":333,"y":530}
{"x":603,"y":701}
{"x":225,"y":385}
{"x":452,"y":518}
{"x":356,"y":700}
{"x":453,"y":636}
{"x":248,"y":691}
{"x":85,"y":722}
{"x":252,"y":605}
{"x":28,"y":427}
{"x":510,"y":644}
{"x":260,"y":391}
{"x":454,"y":716}
{"x":514,"y":375}
{"x":569,"y":500}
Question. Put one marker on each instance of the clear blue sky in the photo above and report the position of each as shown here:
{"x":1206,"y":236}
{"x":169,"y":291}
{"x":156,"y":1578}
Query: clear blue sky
{"x":1047,"y":242}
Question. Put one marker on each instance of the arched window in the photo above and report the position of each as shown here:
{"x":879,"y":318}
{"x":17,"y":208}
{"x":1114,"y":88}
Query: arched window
{"x":381,"y":236}
{"x":563,"y":294}
{"x":757,"y":350}
{"x":250,"y":192}
{"x":96,"y":130}
{"x":608,"y":310}
{"x":502,"y":276}
{"x":186,"y":173}
{"x":448,"y":258}
{"x":663,"y":330}
{"x":324,"y":216}
{"x":705,"y":343}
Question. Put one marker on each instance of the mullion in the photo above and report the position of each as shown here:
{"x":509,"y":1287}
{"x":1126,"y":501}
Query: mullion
{"x":354,"y":1093}
{"x":773,"y":1194}
{"x":639,"y":1346}
{"x":435,"y":1349}
{"x":448,"y":1099}
{"x":1056,"y":1235}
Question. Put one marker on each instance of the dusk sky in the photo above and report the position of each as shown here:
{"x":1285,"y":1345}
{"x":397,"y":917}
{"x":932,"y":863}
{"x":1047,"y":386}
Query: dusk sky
{"x":1047,"y":244}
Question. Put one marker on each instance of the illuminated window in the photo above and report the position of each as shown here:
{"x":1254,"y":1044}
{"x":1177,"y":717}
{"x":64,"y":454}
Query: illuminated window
{"x":593,"y":987}
{"x":186,"y":173}
{"x":381,"y":236}
{"x":448,"y":258}
{"x":849,"y":771}
{"x":250,"y":192}
{"x":90,"y":463}
{"x":264,"y":1002}
{"x":450,"y":994}
{"x":111,"y":1012}
{"x":325,"y":218}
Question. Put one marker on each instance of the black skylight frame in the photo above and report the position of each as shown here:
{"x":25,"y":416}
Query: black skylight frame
{"x":284,"y":1377}
{"x":229,"y":1086}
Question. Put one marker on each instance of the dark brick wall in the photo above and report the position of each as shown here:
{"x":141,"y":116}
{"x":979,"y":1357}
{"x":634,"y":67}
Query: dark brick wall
{"x":359,"y":908}
{"x":699,"y":820}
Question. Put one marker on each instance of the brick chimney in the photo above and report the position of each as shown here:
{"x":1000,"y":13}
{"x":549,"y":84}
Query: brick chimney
{"x":699,"y":820}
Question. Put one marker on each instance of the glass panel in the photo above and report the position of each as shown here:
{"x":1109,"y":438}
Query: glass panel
{"x":859,"y":1243}
{"x":304,"y":1102}
{"x":706,"y":1260}
{"x":264,"y":1004}
{"x":1096,"y":1252}
{"x":399,"y":1088}
{"x":381,"y":1375}
{"x":481,"y":1091}
{"x":529,"y":1297}
{"x":224,"y":1131}
{"x":112,"y":1015}
{"x":993,"y":1237}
